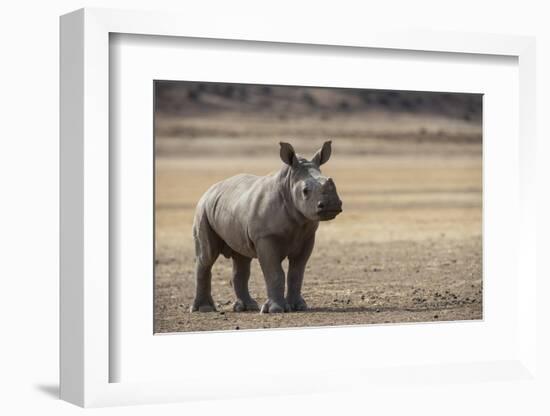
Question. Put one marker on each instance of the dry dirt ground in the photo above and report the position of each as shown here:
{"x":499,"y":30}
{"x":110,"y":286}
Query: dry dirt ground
{"x":407,"y":248}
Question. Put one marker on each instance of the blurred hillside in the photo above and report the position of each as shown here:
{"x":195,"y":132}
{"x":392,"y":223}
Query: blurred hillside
{"x":218,"y":119}
{"x":195,"y":98}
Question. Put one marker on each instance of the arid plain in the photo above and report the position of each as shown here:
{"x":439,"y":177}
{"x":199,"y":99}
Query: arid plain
{"x":407,"y":248}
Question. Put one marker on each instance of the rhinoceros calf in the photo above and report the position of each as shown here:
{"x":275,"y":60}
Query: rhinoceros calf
{"x":266,"y":217}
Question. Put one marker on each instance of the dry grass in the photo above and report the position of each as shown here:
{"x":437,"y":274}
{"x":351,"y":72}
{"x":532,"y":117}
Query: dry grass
{"x":406,"y":249}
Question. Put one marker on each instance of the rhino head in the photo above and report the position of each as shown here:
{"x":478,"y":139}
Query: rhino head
{"x":313,"y":194}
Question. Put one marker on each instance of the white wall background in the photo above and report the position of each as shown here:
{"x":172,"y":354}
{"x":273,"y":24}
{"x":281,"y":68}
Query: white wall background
{"x":29,"y":184}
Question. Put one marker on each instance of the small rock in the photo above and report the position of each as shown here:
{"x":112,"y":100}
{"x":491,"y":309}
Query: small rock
{"x":237,"y":328}
{"x":348,"y":301}
{"x":436,"y":316}
{"x":362,"y":297}
{"x":222,"y":312}
{"x":377,"y":310}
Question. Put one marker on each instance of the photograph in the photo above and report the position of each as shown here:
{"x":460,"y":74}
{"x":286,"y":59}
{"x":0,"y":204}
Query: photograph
{"x":282,"y":206}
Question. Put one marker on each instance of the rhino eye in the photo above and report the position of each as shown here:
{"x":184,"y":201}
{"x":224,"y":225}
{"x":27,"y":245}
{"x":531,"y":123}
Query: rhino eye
{"x":305,"y":191}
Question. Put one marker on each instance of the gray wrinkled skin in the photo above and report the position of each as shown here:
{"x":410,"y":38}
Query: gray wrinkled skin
{"x":266,"y":217}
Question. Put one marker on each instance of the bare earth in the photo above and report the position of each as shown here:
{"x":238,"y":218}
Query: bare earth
{"x":407,"y":248}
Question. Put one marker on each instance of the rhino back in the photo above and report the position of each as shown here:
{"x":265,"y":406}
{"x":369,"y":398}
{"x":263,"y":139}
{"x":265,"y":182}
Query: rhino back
{"x":233,"y":205}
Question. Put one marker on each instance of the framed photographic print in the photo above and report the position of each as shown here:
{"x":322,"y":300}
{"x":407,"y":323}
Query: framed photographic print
{"x":291,"y":208}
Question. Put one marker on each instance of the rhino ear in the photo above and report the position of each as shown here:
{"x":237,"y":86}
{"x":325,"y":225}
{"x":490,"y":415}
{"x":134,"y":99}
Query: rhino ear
{"x":288,"y":155}
{"x":323,"y":154}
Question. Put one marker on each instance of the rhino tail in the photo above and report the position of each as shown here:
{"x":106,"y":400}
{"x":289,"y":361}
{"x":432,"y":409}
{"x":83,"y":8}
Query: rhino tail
{"x":208,"y":245}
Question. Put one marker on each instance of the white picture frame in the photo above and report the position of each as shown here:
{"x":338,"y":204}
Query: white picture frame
{"x":86,"y":356}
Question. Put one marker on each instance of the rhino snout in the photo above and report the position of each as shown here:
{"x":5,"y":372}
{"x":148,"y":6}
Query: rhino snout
{"x":324,"y":206}
{"x":328,"y":210}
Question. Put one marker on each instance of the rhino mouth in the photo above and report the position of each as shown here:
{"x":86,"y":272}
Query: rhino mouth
{"x":329,"y":214}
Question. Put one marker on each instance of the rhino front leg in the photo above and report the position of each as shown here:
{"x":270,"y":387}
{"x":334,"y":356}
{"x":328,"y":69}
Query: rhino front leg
{"x":270,"y":262}
{"x":296,"y":268}
{"x":241,"y":275}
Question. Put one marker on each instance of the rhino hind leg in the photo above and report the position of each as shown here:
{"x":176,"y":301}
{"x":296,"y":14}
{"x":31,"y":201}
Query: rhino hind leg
{"x":241,"y":275}
{"x":203,"y":301}
{"x":208,"y":246}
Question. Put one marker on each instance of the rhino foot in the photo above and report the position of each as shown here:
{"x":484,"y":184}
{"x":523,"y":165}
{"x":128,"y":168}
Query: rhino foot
{"x":242,"y":306}
{"x":203,"y":306}
{"x":270,"y":306}
{"x":297,"y":304}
